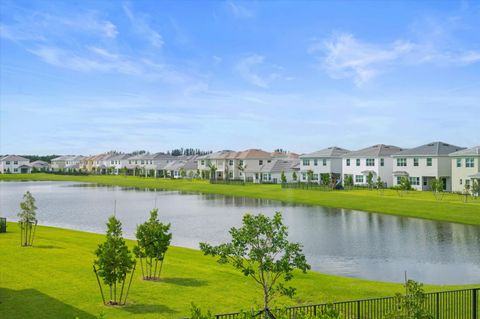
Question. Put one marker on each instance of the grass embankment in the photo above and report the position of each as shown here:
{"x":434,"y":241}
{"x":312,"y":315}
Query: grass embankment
{"x":54,"y":279}
{"x":414,"y":204}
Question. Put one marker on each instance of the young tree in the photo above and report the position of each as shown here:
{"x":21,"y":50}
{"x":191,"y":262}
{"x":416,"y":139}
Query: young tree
{"x":437,"y":188}
{"x":241,"y":167}
{"x":294,"y":176}
{"x":348,"y":181}
{"x":183,"y":172}
{"x":260,"y":249}
{"x":325,"y":179}
{"x":370,"y":180}
{"x":379,"y":185}
{"x":153,"y":239}
{"x":283,"y":178}
{"x":213,"y":170}
{"x":412,"y":305}
{"x":475,"y":187}
{"x":114,"y":262}
{"x":404,"y":185}
{"x":309,"y":175}
{"x":27,"y":219}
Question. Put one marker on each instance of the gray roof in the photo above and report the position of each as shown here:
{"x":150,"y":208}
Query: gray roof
{"x":188,"y":163}
{"x":39,"y":164}
{"x":430,"y":149}
{"x":332,"y":151}
{"x":118,"y":157}
{"x":469,"y":151}
{"x":13,"y":158}
{"x":378,"y":150}
{"x":279,"y":165}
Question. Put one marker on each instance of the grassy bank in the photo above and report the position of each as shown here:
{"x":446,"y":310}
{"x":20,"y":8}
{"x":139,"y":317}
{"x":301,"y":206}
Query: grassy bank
{"x":414,"y":204}
{"x":54,"y":279}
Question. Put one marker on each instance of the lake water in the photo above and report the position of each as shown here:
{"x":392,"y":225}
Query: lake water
{"x":336,"y":241}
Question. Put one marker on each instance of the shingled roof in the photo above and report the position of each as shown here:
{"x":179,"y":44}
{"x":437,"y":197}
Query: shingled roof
{"x":430,"y":149}
{"x":332,"y":151}
{"x":375,"y":151}
{"x":469,"y":151}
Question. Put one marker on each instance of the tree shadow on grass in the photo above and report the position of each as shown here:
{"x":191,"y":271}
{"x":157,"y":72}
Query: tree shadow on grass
{"x":145,"y":309}
{"x":187,"y":282}
{"x":47,"y":247}
{"x":31,"y":303}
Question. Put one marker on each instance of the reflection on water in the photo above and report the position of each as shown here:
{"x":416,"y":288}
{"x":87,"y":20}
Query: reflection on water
{"x":336,"y":241}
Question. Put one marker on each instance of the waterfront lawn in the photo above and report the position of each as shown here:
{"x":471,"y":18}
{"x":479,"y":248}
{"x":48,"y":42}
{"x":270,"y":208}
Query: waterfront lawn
{"x":414,"y":204}
{"x":54,"y":279}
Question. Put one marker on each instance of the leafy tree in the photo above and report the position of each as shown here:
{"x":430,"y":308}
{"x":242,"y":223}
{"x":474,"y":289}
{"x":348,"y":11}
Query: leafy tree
{"x":348,"y":181}
{"x":283,"y":178}
{"x":114,"y":262}
{"x":294,"y":176}
{"x":242,"y":167}
{"x":183,"y":172}
{"x":412,"y":305}
{"x":325,"y":179}
{"x":213,"y":169}
{"x":153,"y":239}
{"x":260,"y":249}
{"x":370,"y":180}
{"x":379,"y":185}
{"x":404,"y":185}
{"x":475,"y":187}
{"x":466,"y":192}
{"x":437,"y":188}
{"x":309,"y":175}
{"x":27,"y":218}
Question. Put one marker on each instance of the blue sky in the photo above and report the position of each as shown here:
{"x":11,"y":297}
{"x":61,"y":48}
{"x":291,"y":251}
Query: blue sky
{"x":92,"y":76}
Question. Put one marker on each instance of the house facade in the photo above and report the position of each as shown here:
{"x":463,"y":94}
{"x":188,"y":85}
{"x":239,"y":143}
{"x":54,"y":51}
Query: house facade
{"x":14,"y":164}
{"x":40,"y":166}
{"x":67,"y":163}
{"x":271,"y":171}
{"x":465,"y":165}
{"x":424,"y":163}
{"x":326,"y":161}
{"x":375,"y":159}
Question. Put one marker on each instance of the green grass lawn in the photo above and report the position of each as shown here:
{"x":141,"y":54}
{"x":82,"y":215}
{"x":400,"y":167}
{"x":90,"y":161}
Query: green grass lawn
{"x":54,"y":279}
{"x":414,"y":204}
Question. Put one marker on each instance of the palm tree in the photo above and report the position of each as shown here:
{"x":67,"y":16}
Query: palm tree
{"x":242,"y":169}
{"x":213,"y":169}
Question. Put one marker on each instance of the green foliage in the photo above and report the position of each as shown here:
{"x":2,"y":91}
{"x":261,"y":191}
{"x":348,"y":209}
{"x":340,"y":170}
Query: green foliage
{"x":370,"y":180}
{"x":325,"y":179}
{"x":153,"y":240}
{"x":309,"y":175}
{"x":213,"y":169}
{"x":28,"y":212}
{"x":475,"y":187}
{"x":260,"y":249}
{"x":183,"y":172}
{"x":437,"y":188}
{"x":114,"y":259}
{"x":294,"y":176}
{"x":412,"y":304}
{"x":283,"y":178}
{"x":348,"y":182}
{"x":196,"y":313}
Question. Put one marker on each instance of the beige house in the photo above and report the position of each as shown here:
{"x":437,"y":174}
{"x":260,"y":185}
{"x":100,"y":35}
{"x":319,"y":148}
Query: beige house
{"x":14,"y":164}
{"x":465,"y":166}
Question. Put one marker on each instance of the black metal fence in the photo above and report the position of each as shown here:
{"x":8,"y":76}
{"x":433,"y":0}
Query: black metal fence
{"x":228,"y":181}
{"x":453,"y":304}
{"x":3,"y":225}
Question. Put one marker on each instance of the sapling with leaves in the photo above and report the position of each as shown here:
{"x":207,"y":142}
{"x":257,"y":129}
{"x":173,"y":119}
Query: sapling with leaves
{"x":437,"y":188}
{"x":153,"y":240}
{"x":283,"y":178}
{"x":260,"y":250}
{"x":113,"y":264}
{"x":370,"y":180}
{"x":411,"y":305}
{"x":27,"y":219}
{"x":379,"y":185}
{"x":294,"y":176}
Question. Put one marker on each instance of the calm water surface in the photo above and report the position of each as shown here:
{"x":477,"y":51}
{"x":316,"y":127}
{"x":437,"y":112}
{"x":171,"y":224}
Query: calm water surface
{"x":336,"y":241}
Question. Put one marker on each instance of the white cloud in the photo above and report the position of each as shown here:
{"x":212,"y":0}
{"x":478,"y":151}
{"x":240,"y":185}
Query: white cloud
{"x":347,"y":57}
{"x":239,"y":11}
{"x":142,"y":27}
{"x":248,"y":69}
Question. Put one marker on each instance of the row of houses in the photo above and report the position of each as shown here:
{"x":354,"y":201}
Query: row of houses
{"x":455,"y":166}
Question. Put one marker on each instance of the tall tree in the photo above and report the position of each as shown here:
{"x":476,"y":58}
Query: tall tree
{"x":153,"y":239}
{"x":114,"y":262}
{"x":370,"y":180}
{"x":27,"y":218}
{"x":260,"y":250}
{"x":213,"y":169}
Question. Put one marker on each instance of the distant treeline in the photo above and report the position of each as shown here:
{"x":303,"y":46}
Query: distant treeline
{"x":45,"y":158}
{"x":187,"y":152}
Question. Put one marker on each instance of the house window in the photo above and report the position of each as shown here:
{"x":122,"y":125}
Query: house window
{"x":414,"y":180}
{"x":348,"y":162}
{"x":382,"y":162}
{"x":359,"y":179}
{"x":461,"y":181}
{"x":15,"y":162}
{"x":415,"y":161}
{"x":230,"y":162}
{"x":459,"y":163}
{"x":315,"y":177}
{"x":260,"y":162}
{"x":202,"y":162}
{"x":324,"y":162}
{"x":230,"y":174}
{"x":401,"y":162}
{"x":15,"y":170}
{"x":306,"y":162}
{"x":467,"y":182}
{"x":129,"y":162}
{"x":241,"y":162}
{"x":269,"y":161}
{"x":370,"y":162}
{"x":8,"y":162}
{"x":469,"y":162}
{"x":358,"y":162}
{"x":304,"y":176}
{"x":399,"y":179}
{"x":315,"y":162}
{"x":429,"y":161}
{"x":142,"y":162}
{"x":425,"y":181}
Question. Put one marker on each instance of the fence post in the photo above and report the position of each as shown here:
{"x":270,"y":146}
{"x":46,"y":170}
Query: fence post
{"x":358,"y":310}
{"x":474,"y":304}
{"x":437,"y":295}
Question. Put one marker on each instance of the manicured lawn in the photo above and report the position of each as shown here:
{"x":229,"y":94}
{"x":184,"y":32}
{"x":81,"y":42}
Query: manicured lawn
{"x":54,"y":279}
{"x":414,"y":204}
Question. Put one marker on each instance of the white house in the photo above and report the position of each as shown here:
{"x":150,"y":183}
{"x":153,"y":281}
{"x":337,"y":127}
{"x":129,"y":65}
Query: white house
{"x":424,"y":163}
{"x":375,"y":159}
{"x":149,"y":164}
{"x":225,"y":162}
{"x":40,"y":166}
{"x":67,"y":163}
{"x":465,"y":168}
{"x":14,"y":164}
{"x":271,"y":171}
{"x":326,"y":161}
{"x":186,"y":164}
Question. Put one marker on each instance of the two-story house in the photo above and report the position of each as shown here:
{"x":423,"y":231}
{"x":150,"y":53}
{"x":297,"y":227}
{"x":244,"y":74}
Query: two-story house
{"x":14,"y":164}
{"x":465,"y":168}
{"x":326,"y":161}
{"x":424,"y":163}
{"x":375,"y":159}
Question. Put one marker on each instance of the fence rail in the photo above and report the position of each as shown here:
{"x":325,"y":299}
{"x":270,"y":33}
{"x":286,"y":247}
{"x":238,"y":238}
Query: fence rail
{"x":452,"y":304}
